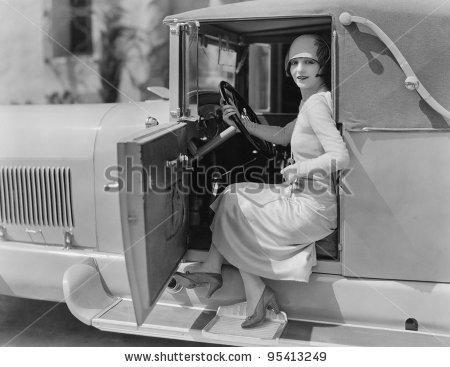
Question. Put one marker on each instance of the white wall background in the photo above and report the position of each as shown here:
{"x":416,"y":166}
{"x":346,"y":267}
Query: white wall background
{"x":29,"y":75}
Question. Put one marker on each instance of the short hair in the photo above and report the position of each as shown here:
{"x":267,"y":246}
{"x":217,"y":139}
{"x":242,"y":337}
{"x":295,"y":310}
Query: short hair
{"x":323,"y":50}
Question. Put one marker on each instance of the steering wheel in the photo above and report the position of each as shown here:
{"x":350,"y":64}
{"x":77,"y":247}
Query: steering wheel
{"x":232,"y":97}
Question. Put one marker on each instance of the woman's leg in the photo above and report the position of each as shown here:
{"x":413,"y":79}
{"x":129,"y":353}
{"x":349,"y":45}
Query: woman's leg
{"x":254,"y":288}
{"x":259,"y":299}
{"x":213,"y":263}
{"x":199,"y":275}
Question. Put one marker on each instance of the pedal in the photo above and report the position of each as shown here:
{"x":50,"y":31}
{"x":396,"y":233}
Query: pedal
{"x":226,"y":325}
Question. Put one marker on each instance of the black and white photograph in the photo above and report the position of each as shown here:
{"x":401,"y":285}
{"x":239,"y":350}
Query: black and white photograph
{"x":206,"y":174}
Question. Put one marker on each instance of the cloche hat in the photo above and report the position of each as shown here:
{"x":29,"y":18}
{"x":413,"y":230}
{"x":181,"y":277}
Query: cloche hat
{"x":303,"y":46}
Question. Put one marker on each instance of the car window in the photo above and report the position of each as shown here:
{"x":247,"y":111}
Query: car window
{"x":213,"y":68}
{"x":259,"y":77}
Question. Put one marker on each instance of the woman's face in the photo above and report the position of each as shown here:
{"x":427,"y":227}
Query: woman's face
{"x":304,"y":71}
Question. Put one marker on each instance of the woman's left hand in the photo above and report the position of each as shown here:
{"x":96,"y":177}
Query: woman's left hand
{"x":290,"y":173}
{"x":228,"y":111}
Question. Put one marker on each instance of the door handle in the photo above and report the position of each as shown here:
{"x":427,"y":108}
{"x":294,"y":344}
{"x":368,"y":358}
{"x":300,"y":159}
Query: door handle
{"x":183,"y":159}
{"x":111,"y":187}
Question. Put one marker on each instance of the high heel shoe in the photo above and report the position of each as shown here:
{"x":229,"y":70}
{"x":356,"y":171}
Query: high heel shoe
{"x":267,"y":301}
{"x":198,"y":279}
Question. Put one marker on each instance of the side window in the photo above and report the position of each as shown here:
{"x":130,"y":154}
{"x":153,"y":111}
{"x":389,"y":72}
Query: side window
{"x":70,"y":28}
{"x":259,"y":77}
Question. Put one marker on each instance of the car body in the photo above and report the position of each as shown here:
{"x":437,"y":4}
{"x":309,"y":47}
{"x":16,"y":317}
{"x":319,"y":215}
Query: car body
{"x":92,"y":213}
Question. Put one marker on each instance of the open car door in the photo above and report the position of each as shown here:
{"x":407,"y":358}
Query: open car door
{"x":154,"y":207}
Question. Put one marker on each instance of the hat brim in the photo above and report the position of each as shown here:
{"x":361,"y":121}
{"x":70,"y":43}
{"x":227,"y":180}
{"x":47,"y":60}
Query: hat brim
{"x":304,"y":54}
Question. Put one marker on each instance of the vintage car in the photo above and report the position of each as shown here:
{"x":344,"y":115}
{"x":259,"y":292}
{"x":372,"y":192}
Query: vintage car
{"x":101,"y":204}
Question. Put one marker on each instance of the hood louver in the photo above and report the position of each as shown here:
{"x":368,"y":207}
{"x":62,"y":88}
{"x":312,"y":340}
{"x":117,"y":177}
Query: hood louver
{"x":37,"y":196}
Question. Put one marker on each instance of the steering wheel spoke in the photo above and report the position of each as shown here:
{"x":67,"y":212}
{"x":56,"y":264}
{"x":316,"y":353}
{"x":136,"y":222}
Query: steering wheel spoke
{"x":231,"y":96}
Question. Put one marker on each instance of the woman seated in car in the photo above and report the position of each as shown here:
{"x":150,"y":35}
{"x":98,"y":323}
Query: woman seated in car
{"x":270,"y":232}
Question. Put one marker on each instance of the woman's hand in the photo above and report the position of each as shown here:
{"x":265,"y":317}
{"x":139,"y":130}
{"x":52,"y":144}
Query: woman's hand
{"x":227,"y":112}
{"x":290,"y":173}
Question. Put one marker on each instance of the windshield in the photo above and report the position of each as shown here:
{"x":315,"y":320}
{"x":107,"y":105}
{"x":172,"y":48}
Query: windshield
{"x":207,"y":62}
{"x":216,"y":62}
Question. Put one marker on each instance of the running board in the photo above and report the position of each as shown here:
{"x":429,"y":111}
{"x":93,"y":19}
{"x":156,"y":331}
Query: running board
{"x":226,"y":325}
{"x":194,"y":324}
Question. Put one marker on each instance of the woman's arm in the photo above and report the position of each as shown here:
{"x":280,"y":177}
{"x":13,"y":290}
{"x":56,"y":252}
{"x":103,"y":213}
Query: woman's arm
{"x":335,"y":156}
{"x":274,"y":134}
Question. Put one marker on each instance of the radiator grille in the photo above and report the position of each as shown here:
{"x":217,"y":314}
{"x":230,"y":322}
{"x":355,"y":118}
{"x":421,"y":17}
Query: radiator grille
{"x":40,"y":196}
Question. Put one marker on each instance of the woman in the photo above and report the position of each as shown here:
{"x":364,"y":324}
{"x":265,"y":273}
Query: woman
{"x":271,"y":232}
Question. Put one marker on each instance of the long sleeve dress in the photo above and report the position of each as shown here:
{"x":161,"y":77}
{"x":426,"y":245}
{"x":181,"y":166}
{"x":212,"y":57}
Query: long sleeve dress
{"x":269,"y":230}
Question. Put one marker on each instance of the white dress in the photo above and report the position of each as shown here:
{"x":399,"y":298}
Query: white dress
{"x":270,"y":230}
